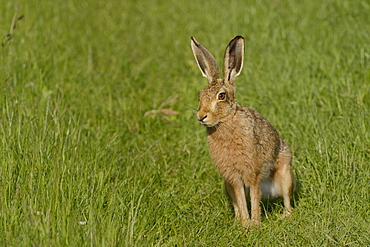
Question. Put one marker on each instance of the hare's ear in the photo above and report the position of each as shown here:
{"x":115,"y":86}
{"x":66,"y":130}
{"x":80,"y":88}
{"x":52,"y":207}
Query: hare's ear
{"x":233,"y":60}
{"x":206,"y":62}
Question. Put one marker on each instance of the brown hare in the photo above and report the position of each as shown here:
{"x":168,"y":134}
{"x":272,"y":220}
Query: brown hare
{"x":247,"y":150}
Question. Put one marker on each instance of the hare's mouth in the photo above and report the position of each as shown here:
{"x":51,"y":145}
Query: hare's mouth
{"x":204,"y":124}
{"x":208,"y":125}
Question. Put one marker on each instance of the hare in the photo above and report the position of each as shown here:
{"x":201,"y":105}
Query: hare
{"x":245,"y":147}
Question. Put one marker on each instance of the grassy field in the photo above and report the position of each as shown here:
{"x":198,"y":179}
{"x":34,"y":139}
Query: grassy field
{"x":92,"y":153}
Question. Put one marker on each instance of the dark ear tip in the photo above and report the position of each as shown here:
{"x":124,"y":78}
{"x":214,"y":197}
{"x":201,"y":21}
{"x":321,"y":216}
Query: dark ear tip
{"x":194,"y":41}
{"x":238,"y":37}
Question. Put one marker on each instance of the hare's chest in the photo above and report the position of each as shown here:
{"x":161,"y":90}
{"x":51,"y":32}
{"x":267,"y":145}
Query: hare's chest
{"x":231,"y":152}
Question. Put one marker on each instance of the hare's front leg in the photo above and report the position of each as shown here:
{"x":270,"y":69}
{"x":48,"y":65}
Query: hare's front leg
{"x":237,"y":197}
{"x":255,"y":195}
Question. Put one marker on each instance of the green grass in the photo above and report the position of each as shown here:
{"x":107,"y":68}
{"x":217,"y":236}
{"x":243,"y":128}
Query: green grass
{"x":85,"y":161}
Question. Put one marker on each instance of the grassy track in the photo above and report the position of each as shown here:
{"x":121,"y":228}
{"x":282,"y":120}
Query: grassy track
{"x":88,"y":158}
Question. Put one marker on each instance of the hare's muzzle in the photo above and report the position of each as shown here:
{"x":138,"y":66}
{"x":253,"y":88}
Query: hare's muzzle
{"x":201,"y":119}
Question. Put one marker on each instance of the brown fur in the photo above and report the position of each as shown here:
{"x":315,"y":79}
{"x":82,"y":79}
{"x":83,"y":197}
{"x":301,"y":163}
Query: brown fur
{"x":245,"y":147}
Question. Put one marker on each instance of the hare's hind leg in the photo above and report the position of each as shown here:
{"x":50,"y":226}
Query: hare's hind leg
{"x":236,"y":193}
{"x":284,"y":177}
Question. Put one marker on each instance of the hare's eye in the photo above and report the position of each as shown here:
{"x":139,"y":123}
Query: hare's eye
{"x":221,"y":96}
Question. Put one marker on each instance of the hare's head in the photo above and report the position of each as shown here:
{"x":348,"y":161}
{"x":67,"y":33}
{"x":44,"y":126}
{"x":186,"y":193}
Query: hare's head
{"x":216,"y":101}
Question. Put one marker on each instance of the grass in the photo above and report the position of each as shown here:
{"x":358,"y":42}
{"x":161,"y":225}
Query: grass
{"x":89,"y":159}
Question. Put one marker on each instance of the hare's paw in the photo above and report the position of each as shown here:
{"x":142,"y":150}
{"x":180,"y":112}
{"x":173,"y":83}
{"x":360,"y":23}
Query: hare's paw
{"x":287,"y":214}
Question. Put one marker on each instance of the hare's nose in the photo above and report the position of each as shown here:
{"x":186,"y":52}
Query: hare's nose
{"x":202,"y":118}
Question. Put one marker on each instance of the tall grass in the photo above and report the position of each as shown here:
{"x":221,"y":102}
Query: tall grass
{"x":93,"y":152}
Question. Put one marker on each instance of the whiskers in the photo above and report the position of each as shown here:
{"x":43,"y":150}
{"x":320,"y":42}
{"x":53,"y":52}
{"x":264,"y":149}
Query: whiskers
{"x":194,"y":109}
